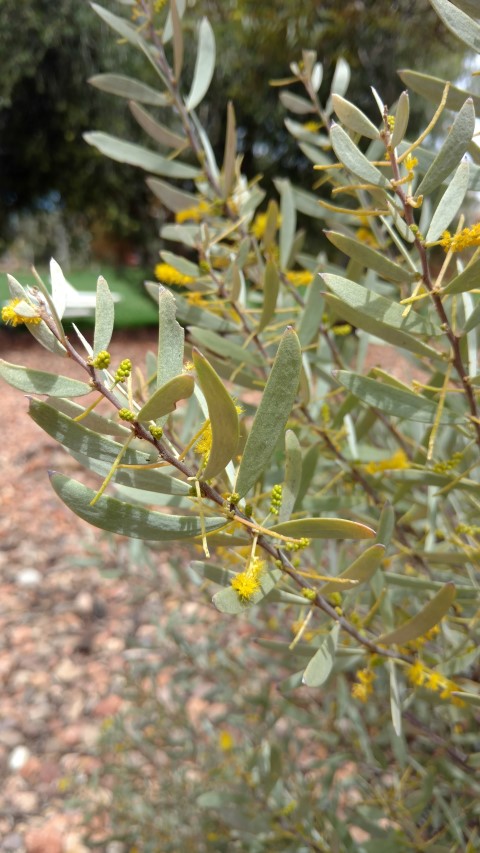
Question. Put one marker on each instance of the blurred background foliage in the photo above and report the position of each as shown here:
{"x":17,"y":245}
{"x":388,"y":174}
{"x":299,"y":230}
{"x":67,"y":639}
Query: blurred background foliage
{"x":60,"y":196}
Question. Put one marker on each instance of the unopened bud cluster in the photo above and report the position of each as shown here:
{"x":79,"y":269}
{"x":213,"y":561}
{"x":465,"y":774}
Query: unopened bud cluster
{"x":101,"y":360}
{"x":298,"y":545}
{"x":155,"y":431}
{"x":123,"y":370}
{"x":126,"y":415}
{"x":276,"y":500}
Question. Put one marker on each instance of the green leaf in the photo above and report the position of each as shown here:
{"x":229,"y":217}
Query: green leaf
{"x":93,"y":421}
{"x":370,"y":258}
{"x":311,"y":318}
{"x":386,"y":525}
{"x":360,"y":571}
{"x":402,"y":115}
{"x":460,"y":24}
{"x":321,"y":665}
{"x":137,"y":155}
{"x":289,"y":220}
{"x":128,"y":519}
{"x":126,"y":87}
{"x":377,"y":315}
{"x":473,"y":320}
{"x":467,"y":280}
{"x":324,"y":528}
{"x":177,"y":40}
{"x":98,"y":453}
{"x":353,"y":118}
{"x":307,"y":203}
{"x":228,"y":600}
{"x":271,"y":286}
{"x":170,"y":340}
{"x":393,"y":401}
{"x":224,"y":347}
{"x":452,"y":150}
{"x":183,"y":265}
{"x":212,"y":572}
{"x":191,"y":314}
{"x":341,"y":77}
{"x":165,"y":399}
{"x":173,"y":198}
{"x":395,"y":701}
{"x":104,"y":317}
{"x":204,"y":65}
{"x":222,"y":414}
{"x":293,"y":475}
{"x":449,"y":204}
{"x":161,"y":134}
{"x":469,"y":698}
{"x":39,"y":382}
{"x":353,"y":160}
{"x":429,"y":616}
{"x":230,"y":152}
{"x":120,"y":25}
{"x":432,"y":88}
{"x":272,"y":413}
{"x":168,"y":28}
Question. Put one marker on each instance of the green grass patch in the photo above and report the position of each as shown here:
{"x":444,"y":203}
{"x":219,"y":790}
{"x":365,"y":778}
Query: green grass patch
{"x":134,"y":309}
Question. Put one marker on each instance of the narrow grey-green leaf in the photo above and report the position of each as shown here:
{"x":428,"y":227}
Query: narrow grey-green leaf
{"x":273,"y":412}
{"x":168,"y":28}
{"x":120,"y":25}
{"x":473,"y":320}
{"x":127,"y":87}
{"x":321,"y":665}
{"x":224,"y":347}
{"x":386,"y":525}
{"x":296,"y":104}
{"x":212,"y":572}
{"x":229,"y":601}
{"x":192,"y":314}
{"x":469,"y":698}
{"x":452,"y":150}
{"x":39,"y":382}
{"x":353,"y":118}
{"x":360,"y":571}
{"x":128,"y":519}
{"x":161,"y":134}
{"x":402,"y":115}
{"x":183,"y":265}
{"x":165,"y":399}
{"x":204,"y":65}
{"x":104,"y":317}
{"x":173,"y":198}
{"x":324,"y":528}
{"x":177,"y":40}
{"x":341,"y":77}
{"x":450,"y":203}
{"x":460,"y":24}
{"x":432,"y":89}
{"x":393,"y":401}
{"x":311,"y":318}
{"x":222,"y":414}
{"x":395,"y":702}
{"x":271,"y":286}
{"x":465,"y":281}
{"x":170,"y":339}
{"x":352,"y":158}
{"x":40,"y":331}
{"x":288,"y":221}
{"x":429,"y":616}
{"x":98,"y":453}
{"x":293,"y":475}
{"x":370,"y":258}
{"x":137,"y":155}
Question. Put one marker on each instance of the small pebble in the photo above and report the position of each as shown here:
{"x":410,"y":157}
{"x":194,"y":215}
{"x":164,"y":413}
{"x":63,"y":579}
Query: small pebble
{"x":18,"y":757}
{"x":29,"y":577}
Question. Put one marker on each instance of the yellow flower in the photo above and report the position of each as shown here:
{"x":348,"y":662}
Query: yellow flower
{"x":463,"y":240}
{"x":225,"y":741}
{"x":299,"y":278}
{"x":260,"y":223}
{"x":398,"y":460}
{"x":435,"y":681}
{"x":417,"y":673}
{"x":167,"y":274}
{"x":365,"y":236}
{"x":361,"y":691}
{"x":366,"y":676}
{"x":342,"y":329}
{"x":11,"y":318}
{"x":192,"y":214}
{"x":410,"y":163}
{"x":312,"y":126}
{"x":204,"y":443}
{"x":247,"y":583}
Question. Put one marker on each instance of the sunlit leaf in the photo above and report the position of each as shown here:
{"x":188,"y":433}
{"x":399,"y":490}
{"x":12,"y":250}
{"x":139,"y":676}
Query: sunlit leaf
{"x":352,"y":158}
{"x":353,"y":118}
{"x":295,"y":103}
{"x":128,"y":519}
{"x":192,"y":314}
{"x":324,"y":528}
{"x":460,"y":24}
{"x":38,"y":382}
{"x":204,"y":65}
{"x":449,"y":205}
{"x":222,"y":414}
{"x":465,"y":281}
{"x":273,"y":412}
{"x":165,"y":399}
{"x":224,"y":347}
{"x":136,"y":155}
{"x":104,"y":317}
{"x":429,"y":616}
{"x":402,"y":114}
{"x":126,"y":87}
{"x":369,"y":257}
{"x":452,"y":150}
{"x":288,"y":221}
{"x":360,"y":571}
